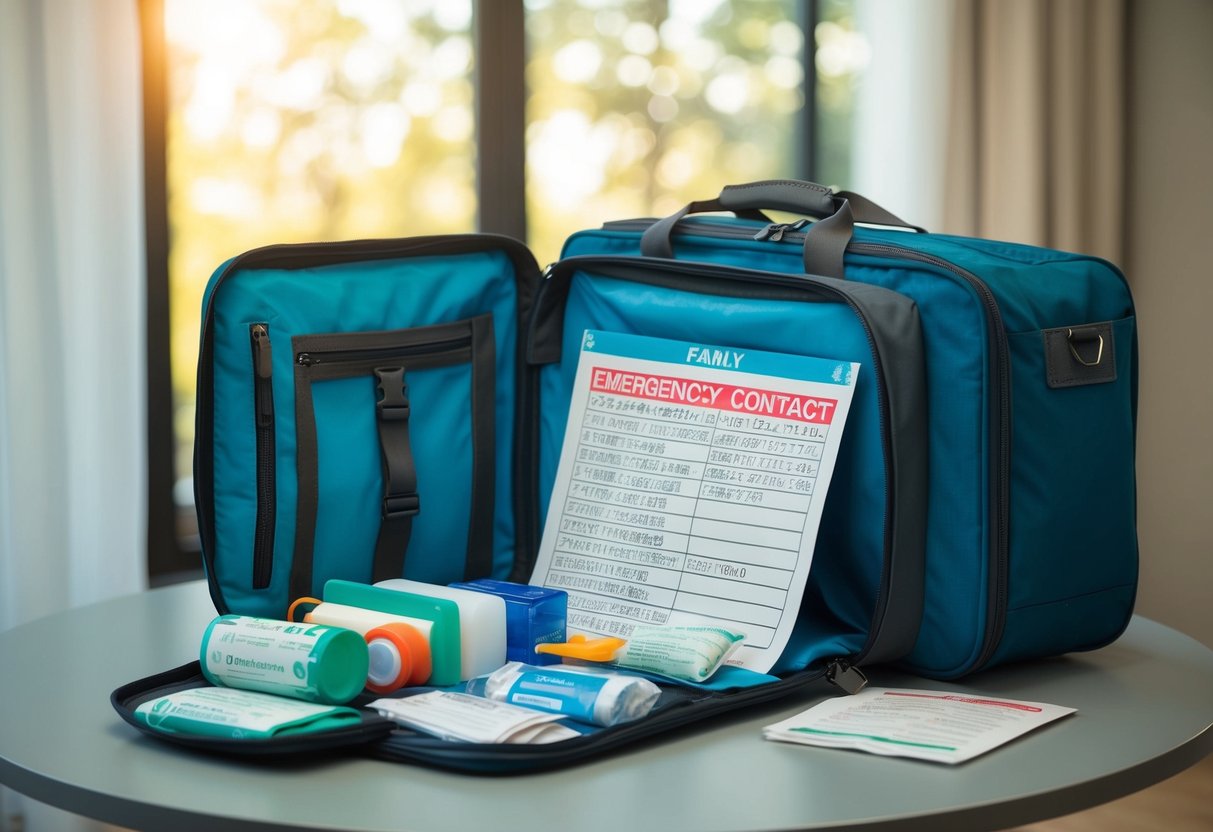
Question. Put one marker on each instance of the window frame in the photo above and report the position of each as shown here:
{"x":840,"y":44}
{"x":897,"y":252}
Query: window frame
{"x":499,"y":36}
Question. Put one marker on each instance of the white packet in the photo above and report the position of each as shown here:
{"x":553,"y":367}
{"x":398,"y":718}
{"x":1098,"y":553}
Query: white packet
{"x":460,"y":716}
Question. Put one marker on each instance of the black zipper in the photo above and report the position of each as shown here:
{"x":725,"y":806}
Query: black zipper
{"x":631,"y":269}
{"x":372,"y":355}
{"x":1000,"y":414}
{"x":263,"y":407}
{"x":462,"y":756}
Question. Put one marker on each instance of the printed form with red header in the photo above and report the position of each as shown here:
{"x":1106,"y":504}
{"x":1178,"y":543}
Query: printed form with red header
{"x":690,"y":487}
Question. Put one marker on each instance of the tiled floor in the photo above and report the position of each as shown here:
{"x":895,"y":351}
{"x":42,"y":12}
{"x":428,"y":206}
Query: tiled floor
{"x":1182,"y":804}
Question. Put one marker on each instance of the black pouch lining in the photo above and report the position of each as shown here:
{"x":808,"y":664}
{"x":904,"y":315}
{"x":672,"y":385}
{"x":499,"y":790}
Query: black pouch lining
{"x":328,"y":356}
{"x":127,"y":698}
{"x":678,"y":707}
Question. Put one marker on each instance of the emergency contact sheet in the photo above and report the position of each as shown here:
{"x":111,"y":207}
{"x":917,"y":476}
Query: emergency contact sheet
{"x":690,"y":485}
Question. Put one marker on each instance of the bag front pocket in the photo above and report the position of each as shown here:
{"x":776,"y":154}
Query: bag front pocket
{"x":395,"y":433}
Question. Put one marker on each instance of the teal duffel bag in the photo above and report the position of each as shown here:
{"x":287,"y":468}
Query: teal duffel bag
{"x":1031,"y":384}
{"x":379,"y":408}
{"x":386,"y":408}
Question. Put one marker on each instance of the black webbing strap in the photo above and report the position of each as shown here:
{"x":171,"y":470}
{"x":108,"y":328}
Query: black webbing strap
{"x":826,"y":241}
{"x":400,"y":499}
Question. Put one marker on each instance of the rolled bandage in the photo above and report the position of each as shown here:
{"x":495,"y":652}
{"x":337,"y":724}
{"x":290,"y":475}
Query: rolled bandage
{"x":598,"y":697}
{"x":399,"y":656}
{"x":303,"y":661}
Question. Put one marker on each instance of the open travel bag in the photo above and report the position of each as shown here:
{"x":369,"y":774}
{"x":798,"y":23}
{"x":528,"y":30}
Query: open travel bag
{"x":380,"y":408}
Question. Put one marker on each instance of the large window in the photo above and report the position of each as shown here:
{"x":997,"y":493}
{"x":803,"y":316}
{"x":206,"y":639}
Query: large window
{"x":635,"y":108}
{"x":292,"y":120}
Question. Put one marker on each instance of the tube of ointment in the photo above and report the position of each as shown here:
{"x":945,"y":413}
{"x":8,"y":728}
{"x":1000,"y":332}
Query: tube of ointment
{"x":679,"y":652}
{"x":597,"y":697}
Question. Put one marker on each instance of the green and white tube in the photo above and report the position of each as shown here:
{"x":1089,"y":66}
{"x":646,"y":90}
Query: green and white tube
{"x":312,"y":662}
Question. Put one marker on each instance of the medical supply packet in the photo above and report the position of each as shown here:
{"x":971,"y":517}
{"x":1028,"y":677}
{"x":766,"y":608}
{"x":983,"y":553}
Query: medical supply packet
{"x":688,"y":653}
{"x":589,"y":695}
{"x":463,"y":717}
{"x":939,"y":726}
{"x":345,"y":728}
{"x":228,"y":712}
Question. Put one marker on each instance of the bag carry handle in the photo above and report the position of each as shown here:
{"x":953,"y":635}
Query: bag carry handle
{"x":825,"y":240}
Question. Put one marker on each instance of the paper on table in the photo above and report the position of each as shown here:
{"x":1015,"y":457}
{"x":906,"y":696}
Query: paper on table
{"x":461,"y":716}
{"x":690,"y":487}
{"x":928,"y":725}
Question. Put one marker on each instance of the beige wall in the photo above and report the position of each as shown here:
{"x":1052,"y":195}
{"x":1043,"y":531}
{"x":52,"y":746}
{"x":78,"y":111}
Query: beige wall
{"x":1170,"y":266}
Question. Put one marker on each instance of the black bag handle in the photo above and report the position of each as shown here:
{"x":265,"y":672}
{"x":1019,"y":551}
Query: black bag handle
{"x":825,"y":241}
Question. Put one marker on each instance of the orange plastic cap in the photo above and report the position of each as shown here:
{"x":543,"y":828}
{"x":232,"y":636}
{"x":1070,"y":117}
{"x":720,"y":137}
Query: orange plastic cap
{"x":588,"y":649}
{"x":400,"y":657}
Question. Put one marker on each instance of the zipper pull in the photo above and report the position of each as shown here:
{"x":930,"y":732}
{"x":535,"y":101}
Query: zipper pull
{"x":851,"y":679}
{"x":263,"y":371}
{"x":767,"y":231}
{"x":785,"y":228}
{"x":775,"y":231}
{"x":262,"y":354}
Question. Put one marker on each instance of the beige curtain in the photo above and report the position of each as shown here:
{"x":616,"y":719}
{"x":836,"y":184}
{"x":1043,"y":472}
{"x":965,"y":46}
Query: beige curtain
{"x":1036,"y":146}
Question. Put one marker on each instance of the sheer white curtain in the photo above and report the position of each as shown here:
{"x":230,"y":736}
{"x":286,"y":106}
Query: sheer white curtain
{"x":72,"y":447}
{"x":899,"y":149}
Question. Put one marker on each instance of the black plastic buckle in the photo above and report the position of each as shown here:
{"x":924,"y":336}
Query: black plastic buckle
{"x":394,"y":405}
{"x":394,"y":412}
{"x":404,"y":505}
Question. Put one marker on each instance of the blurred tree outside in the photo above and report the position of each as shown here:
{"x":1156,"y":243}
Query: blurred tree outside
{"x":306,"y":120}
{"x":841,"y":55}
{"x":637,"y":107}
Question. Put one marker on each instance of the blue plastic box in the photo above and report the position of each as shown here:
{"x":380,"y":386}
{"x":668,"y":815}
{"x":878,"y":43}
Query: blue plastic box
{"x":533,"y":615}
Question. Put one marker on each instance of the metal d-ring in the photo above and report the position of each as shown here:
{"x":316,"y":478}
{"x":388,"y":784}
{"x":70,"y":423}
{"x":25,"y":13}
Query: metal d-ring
{"x":1079,"y":358}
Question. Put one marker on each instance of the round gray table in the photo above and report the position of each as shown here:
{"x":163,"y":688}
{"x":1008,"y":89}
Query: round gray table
{"x":1145,"y":705}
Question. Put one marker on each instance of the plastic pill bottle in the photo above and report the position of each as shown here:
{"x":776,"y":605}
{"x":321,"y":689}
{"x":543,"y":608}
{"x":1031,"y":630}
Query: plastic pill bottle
{"x":304,"y":661}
